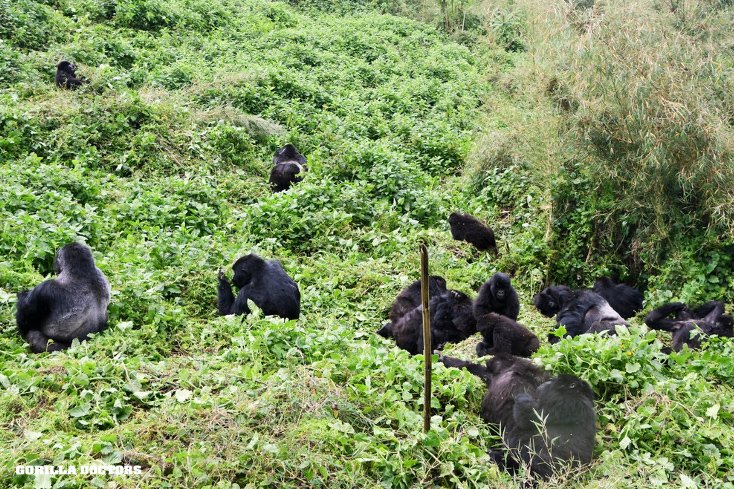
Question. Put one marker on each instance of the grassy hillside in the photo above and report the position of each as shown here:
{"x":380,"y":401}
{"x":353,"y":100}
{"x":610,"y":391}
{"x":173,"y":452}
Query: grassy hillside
{"x":160,"y":164}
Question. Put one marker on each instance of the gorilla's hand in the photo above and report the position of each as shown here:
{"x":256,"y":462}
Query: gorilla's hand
{"x":221,"y":275}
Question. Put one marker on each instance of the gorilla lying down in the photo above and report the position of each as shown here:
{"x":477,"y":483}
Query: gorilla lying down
{"x":547,"y":423}
{"x":690,"y":327}
{"x":580,"y":311}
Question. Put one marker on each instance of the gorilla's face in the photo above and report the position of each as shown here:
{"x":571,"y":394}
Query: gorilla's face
{"x":551,"y":300}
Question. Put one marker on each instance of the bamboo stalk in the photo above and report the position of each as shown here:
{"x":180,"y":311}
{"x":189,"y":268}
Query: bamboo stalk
{"x":426,"y":340}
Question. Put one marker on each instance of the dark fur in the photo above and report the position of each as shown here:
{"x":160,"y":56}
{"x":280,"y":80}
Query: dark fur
{"x":497,"y":295}
{"x":520,"y":395}
{"x":289,"y":168}
{"x":66,"y":76}
{"x":551,"y":428}
{"x":451,"y":321}
{"x":410,"y":298}
{"x":503,"y":335}
{"x":690,"y":327}
{"x":465,"y":227}
{"x":72,"y":305}
{"x":626,"y":300}
{"x":551,"y":300}
{"x":263,"y":282}
{"x":581,"y":311}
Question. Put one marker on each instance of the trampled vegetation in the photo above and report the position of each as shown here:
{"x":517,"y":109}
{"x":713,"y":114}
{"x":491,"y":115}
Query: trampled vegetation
{"x":160,"y":164}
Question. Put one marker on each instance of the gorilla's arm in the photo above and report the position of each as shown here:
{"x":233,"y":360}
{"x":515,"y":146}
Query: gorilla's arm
{"x":658,"y":318}
{"x":225,"y":297}
{"x":476,"y":369}
{"x":524,"y":412}
{"x":33,"y":307}
{"x":710,"y":311}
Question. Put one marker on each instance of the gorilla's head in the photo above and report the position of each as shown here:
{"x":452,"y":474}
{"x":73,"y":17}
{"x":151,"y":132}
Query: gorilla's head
{"x":67,"y":67}
{"x":552,"y":299}
{"x":244,"y":269}
{"x":72,"y":258}
{"x":288,"y":153}
{"x":500,"y":285}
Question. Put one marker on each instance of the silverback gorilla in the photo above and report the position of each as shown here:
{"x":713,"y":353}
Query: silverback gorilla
{"x":465,"y":227}
{"x":581,"y":311}
{"x":546,"y":423}
{"x":66,"y":76}
{"x":72,"y":305}
{"x":263,"y":282}
{"x":290,"y":165}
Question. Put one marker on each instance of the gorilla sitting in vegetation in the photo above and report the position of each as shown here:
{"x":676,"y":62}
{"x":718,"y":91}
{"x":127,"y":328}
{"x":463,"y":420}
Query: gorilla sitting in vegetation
{"x":497,"y":295}
{"x":546,"y":423}
{"x":66,"y":76}
{"x":72,"y":305}
{"x":580,"y":311}
{"x":263,"y":282}
{"x":690,"y":327}
{"x":452,"y":321}
{"x":290,"y":165}
{"x":465,"y":227}
{"x":410,"y":298}
{"x":503,"y":335}
{"x":626,"y":300}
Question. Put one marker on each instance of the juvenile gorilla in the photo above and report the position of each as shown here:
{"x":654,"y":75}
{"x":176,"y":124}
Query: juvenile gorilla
{"x":503,"y":335}
{"x":545,"y":422}
{"x":410,"y":298}
{"x":263,"y":282}
{"x":497,"y":295}
{"x":290,"y":165}
{"x":580,"y":311}
{"x":73,"y":305}
{"x":451,"y":321}
{"x":626,"y":300}
{"x":66,"y":76}
{"x":465,"y":227}
{"x":691,"y":327}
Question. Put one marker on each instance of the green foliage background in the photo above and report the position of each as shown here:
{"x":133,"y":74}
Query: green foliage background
{"x":160,"y":164}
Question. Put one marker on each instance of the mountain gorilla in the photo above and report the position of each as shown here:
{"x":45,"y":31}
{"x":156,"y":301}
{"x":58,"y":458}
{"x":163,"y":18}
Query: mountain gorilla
{"x":72,"y":305}
{"x":66,"y":76}
{"x":452,"y":321}
{"x":265,"y":283}
{"x":497,"y":295}
{"x":626,"y":300}
{"x":289,"y":168}
{"x":689,"y":327}
{"x":503,"y":335}
{"x":465,"y":227}
{"x":580,"y":311}
{"x":410,"y":298}
{"x":545,"y":422}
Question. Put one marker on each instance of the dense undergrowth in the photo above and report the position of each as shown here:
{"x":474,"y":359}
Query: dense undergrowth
{"x":160,"y":164}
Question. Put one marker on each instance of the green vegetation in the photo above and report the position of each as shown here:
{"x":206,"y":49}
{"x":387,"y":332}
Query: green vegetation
{"x":588,"y":151}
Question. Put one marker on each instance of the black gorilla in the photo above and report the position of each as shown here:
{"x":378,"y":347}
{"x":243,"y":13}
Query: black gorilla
{"x":410,"y":298}
{"x":451,"y":321}
{"x":465,"y":227}
{"x":289,"y":168}
{"x":497,"y":295}
{"x":551,"y":429}
{"x":73,"y":305}
{"x":626,"y":300}
{"x":503,"y":335}
{"x":545,"y":422}
{"x":689,"y":327}
{"x":66,"y":76}
{"x":263,"y":282}
{"x":580,"y":311}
